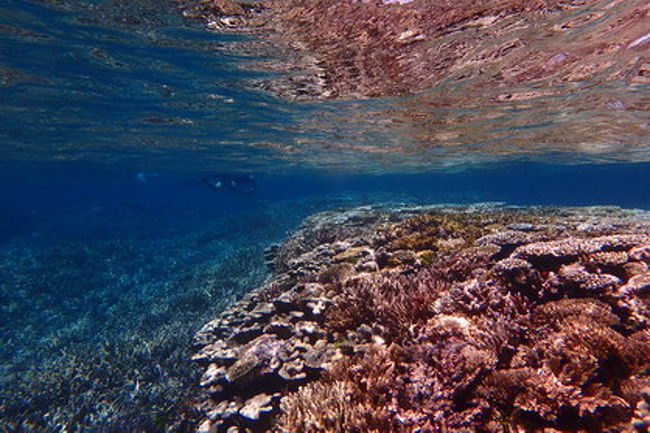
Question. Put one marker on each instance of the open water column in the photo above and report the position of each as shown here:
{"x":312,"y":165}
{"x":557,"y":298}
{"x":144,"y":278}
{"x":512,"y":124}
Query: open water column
{"x":324,"y":216}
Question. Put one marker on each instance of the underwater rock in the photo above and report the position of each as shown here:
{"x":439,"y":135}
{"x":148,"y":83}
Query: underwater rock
{"x":214,"y":374}
{"x":224,"y":410}
{"x":244,"y":369}
{"x":533,"y":320}
{"x":246,"y":334}
{"x":292,"y":370}
{"x":280,"y":327}
{"x":272,"y":340}
{"x":642,"y":252}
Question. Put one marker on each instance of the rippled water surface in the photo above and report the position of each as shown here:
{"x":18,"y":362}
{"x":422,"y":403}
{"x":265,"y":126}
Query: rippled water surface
{"x":112,"y":251}
{"x":127,"y":82}
{"x":135,"y":83}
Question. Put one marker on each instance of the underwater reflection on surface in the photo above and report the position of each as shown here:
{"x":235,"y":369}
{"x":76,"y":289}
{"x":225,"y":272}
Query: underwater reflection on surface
{"x":135,"y":83}
{"x":461,"y":82}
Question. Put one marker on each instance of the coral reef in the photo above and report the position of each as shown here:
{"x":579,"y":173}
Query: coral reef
{"x":642,"y":421}
{"x":100,"y":302}
{"x":479,"y":318}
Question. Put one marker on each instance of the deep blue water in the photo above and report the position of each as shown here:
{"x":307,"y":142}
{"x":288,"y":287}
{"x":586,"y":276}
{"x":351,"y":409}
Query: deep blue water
{"x":48,"y":188}
{"x":110,"y":260}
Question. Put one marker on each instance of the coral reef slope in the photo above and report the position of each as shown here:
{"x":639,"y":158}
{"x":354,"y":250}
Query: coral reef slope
{"x":480,"y":318}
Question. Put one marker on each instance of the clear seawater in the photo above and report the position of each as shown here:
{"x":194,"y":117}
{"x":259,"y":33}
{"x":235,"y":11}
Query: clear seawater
{"x":110,"y":257}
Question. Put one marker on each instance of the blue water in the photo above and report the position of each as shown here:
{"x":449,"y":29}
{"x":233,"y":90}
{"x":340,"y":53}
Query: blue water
{"x":110,"y":259}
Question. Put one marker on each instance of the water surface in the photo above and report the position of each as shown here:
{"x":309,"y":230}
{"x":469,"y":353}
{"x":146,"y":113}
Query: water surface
{"x":136,"y":84}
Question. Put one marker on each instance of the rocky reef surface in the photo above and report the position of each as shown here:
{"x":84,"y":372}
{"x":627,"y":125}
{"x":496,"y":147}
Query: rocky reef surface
{"x":484,"y":318}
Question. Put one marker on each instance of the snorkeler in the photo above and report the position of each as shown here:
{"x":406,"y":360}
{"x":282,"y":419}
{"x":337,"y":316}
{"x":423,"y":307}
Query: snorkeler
{"x":238,"y":183}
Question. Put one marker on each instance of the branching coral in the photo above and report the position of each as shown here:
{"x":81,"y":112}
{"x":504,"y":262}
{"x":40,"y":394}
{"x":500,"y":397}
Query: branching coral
{"x":396,"y":303}
{"x":535,"y":326}
{"x":328,"y":407}
{"x":569,"y":370}
{"x":562,"y":365}
{"x":487,"y":351}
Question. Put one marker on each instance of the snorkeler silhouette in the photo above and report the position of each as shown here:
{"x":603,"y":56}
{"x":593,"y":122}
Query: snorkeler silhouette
{"x":238,"y":183}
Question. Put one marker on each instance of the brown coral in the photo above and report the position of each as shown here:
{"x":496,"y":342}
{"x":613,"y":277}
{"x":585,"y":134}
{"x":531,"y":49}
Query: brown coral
{"x":480,"y":352}
{"x":532,"y":327}
{"x":395,"y":303}
{"x":327,"y":407}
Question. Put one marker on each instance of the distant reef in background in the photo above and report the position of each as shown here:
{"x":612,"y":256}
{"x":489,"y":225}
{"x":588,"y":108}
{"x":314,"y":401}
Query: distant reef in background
{"x":479,"y":318}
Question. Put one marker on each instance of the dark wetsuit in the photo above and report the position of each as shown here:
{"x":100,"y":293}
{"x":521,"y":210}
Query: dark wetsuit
{"x":238,"y":183}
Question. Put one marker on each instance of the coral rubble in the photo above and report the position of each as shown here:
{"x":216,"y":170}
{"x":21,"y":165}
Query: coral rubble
{"x":480,"y":318}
